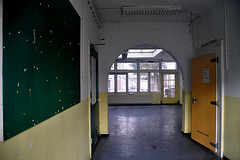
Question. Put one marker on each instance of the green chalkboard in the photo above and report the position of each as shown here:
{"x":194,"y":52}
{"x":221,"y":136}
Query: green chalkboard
{"x":41,"y":61}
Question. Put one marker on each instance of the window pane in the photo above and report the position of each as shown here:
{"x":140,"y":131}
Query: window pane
{"x":126,"y":66}
{"x":111,"y":87}
{"x":132,"y":82}
{"x":169,"y":85}
{"x":112,"y":67}
{"x":169,"y":65}
{"x":172,"y":77}
{"x":143,"y":82}
{"x":149,"y":66}
{"x":155,"y":82}
{"x":121,"y":83}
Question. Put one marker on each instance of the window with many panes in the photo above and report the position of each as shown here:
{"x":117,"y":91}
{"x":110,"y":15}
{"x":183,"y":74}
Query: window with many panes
{"x":140,"y":77}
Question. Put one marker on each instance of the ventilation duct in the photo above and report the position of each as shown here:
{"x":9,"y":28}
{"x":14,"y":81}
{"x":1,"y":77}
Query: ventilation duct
{"x":151,"y":10}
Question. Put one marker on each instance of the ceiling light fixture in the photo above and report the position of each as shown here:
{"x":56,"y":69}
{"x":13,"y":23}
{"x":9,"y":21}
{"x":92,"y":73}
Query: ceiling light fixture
{"x":151,"y":10}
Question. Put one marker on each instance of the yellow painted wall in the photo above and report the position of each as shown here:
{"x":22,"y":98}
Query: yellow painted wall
{"x":186,"y":112}
{"x":181,"y":94}
{"x":156,"y":98}
{"x":103,"y":112}
{"x":231,"y":132}
{"x":135,"y":98}
{"x":62,"y":137}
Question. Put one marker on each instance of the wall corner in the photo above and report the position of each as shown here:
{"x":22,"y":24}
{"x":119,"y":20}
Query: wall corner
{"x":186,"y":112}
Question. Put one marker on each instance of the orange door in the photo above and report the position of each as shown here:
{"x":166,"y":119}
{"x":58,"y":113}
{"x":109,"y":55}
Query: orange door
{"x":204,"y":98}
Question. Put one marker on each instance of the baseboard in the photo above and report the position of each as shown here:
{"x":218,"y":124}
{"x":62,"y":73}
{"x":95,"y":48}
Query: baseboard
{"x":142,"y":104}
{"x":186,"y":134}
{"x":130,"y":104}
{"x":225,"y":158}
{"x":104,"y":135}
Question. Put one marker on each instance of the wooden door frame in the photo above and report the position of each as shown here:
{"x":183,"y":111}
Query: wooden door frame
{"x":218,"y":49}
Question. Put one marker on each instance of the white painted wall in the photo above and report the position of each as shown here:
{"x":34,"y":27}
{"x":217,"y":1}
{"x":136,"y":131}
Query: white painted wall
{"x":212,"y":26}
{"x":232,"y":70}
{"x":171,"y":36}
{"x":222,"y":22}
{"x":89,"y":34}
{"x":209,"y":26}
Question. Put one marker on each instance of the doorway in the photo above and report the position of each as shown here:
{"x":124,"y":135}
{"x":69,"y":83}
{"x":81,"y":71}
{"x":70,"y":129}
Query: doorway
{"x":94,"y":99}
{"x":204,"y":101}
{"x":207,"y":110}
{"x":169,"y":88}
{"x":144,"y":76}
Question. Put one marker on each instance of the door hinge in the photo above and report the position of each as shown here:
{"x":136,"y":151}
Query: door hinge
{"x":214,"y":60}
{"x":216,"y":103}
{"x":215,"y":145}
{"x":194,"y":100}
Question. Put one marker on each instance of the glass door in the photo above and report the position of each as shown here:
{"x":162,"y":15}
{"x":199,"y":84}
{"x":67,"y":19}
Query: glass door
{"x":169,"y":88}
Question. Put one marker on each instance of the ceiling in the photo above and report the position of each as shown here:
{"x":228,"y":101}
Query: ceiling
{"x":110,"y":10}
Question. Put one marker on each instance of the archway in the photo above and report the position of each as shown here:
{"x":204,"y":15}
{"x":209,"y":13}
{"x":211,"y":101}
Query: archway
{"x":110,"y":54}
{"x":145,"y":74}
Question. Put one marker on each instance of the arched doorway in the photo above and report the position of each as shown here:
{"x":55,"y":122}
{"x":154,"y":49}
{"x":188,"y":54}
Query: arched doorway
{"x":145,"y":74}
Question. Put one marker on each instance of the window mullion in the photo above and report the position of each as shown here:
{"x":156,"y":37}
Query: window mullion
{"x":149,"y":86}
{"x":138,"y":78}
{"x":127,"y":82}
{"x":115,"y":83}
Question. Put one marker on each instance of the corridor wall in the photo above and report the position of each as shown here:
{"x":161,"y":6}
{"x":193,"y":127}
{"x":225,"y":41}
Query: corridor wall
{"x":222,"y":23}
{"x":232,"y":78}
{"x":171,"y":36}
{"x":66,"y":135}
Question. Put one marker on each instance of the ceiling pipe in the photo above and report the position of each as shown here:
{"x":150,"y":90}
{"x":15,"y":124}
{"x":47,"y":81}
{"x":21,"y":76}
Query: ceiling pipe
{"x":94,"y":13}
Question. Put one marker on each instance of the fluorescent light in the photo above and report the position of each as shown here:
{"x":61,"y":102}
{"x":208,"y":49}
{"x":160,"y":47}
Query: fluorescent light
{"x":134,"y":50}
{"x":151,"y":10}
{"x":148,"y":50}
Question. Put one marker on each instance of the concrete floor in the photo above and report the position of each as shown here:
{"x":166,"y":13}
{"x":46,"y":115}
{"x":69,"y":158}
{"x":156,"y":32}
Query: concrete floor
{"x":148,"y":133}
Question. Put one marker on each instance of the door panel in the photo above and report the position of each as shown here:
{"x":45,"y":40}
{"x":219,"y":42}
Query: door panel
{"x":169,"y":88}
{"x":204,"y":91}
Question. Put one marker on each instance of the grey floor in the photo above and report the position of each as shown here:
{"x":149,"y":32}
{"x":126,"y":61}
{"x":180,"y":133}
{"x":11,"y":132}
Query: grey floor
{"x":148,"y":133}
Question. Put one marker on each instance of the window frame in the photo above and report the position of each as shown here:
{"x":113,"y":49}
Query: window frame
{"x":117,"y":72}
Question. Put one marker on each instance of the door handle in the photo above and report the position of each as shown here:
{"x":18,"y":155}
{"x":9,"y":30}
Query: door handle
{"x":194,"y":100}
